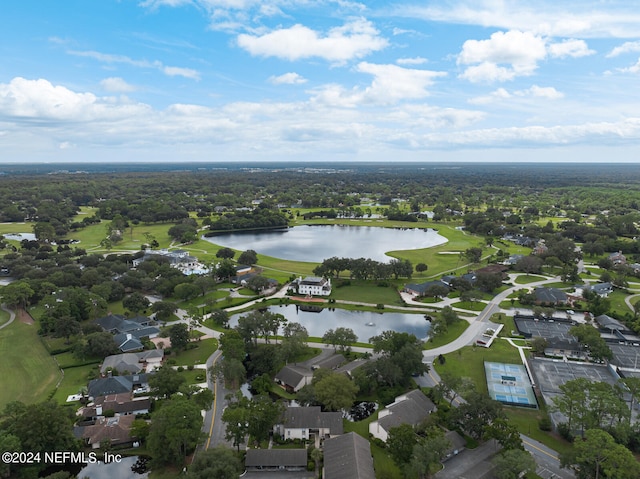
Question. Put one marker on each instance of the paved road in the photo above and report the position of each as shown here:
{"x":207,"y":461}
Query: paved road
{"x":547,"y":460}
{"x":12,"y":316}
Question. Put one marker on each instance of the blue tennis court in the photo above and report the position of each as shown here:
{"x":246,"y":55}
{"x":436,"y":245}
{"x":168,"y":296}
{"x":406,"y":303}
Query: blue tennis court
{"x":509,"y":384}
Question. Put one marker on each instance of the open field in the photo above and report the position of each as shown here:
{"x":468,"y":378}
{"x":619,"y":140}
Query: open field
{"x":27,"y":370}
{"x":74,"y":380}
{"x":366,"y":293}
{"x":453,"y":332}
{"x":197,"y":355}
{"x":469,"y":361}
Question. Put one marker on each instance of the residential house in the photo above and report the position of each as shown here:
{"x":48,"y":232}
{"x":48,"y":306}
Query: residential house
{"x":419,"y":289}
{"x":550,"y":296}
{"x":128,"y":333}
{"x":136,"y":383}
{"x":314,"y":286}
{"x":601,"y":289}
{"x":618,"y":259}
{"x":132,"y":363}
{"x":410,"y":408}
{"x":292,"y":378}
{"x":348,"y":457}
{"x":513,"y":259}
{"x":115,"y":430}
{"x":121,"y":404}
{"x":275,"y":459}
{"x":304,"y":422}
{"x":179,"y":259}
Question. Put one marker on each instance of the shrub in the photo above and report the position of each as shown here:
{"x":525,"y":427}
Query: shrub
{"x":544,"y":424}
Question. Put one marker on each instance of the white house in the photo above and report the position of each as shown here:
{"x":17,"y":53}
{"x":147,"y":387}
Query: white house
{"x":314,"y":286}
{"x":302,"y":422}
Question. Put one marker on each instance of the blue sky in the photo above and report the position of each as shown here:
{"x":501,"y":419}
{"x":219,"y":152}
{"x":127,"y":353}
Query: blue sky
{"x":319,"y":80}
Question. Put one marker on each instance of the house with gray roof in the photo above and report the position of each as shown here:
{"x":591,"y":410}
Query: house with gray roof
{"x":348,"y":457}
{"x":276,"y":459}
{"x":117,"y":384}
{"x":410,"y":408}
{"x":128,"y":333}
{"x":302,"y":422}
{"x":419,"y":289}
{"x":550,"y":296}
{"x":292,"y":378}
{"x":132,"y":363}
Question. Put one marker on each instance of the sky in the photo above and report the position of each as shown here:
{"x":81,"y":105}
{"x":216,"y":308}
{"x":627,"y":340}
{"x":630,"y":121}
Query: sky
{"x":319,"y":80}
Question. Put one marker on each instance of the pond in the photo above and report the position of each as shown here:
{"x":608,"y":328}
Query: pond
{"x":315,"y":243}
{"x":365,"y":324}
{"x":121,"y":470}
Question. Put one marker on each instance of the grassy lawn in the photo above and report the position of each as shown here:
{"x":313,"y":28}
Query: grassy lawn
{"x":382,"y":462}
{"x":366,"y":292}
{"x":453,"y":332}
{"x":470,"y":305}
{"x":526,"y":279}
{"x":4,"y":317}
{"x":197,"y":355}
{"x":469,"y":361}
{"x":66,"y":360}
{"x":27,"y":370}
{"x":74,"y":379}
{"x":509,"y":324}
{"x":526,"y":420}
{"x":617,"y":302}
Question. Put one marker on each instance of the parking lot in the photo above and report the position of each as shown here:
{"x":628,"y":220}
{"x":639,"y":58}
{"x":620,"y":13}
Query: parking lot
{"x":549,"y":375}
{"x":625,"y":355}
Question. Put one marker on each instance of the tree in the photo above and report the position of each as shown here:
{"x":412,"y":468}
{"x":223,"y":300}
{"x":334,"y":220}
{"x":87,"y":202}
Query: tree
{"x":219,"y":317}
{"x":473,"y":254}
{"x":599,"y":456}
{"x":217,"y":463}
{"x":65,"y":327}
{"x":474,"y":415}
{"x":401,"y":442}
{"x":164,"y":309}
{"x":591,"y":340}
{"x":335,"y":391}
{"x":488,"y":282}
{"x":400,"y":357}
{"x":186,"y":291}
{"x":421,"y":267}
{"x":340,"y":338}
{"x":257,"y":283}
{"x":96,"y":345}
{"x":428,"y":453}
{"x":513,"y":464}
{"x":166,"y":381}
{"x":529,"y":264}
{"x":41,"y":427}
{"x":175,"y":431}
{"x":135,"y":302}
{"x":633,"y":386}
{"x":294,"y":342}
{"x":236,"y":418}
{"x":451,"y":386}
{"x":248,"y":257}
{"x":572,"y":402}
{"x":226,"y":253}
{"x":179,"y":336}
{"x":8,"y":443}
{"x":17,"y":294}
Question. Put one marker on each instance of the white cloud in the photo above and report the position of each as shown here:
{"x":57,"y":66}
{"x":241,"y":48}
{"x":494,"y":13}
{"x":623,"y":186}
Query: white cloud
{"x":411,"y":61}
{"x":66,"y":145}
{"x":569,"y":18}
{"x":355,"y":39}
{"x":111,"y":59}
{"x":570,"y":48}
{"x":290,"y":78}
{"x":390,"y":84}
{"x":632,"y":69}
{"x":520,"y":51}
{"x":502,"y":94}
{"x":116,"y":85}
{"x":626,"y":47}
{"x":39,"y":100}
{"x":541,"y":92}
{"x":181,"y":72}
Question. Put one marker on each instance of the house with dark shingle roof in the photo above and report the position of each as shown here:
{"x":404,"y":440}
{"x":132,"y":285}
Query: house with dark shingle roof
{"x":117,"y":384}
{"x":292,"y":378}
{"x":419,"y":289}
{"x":301,"y":422}
{"x":276,"y":459}
{"x":348,"y":457}
{"x":550,"y":296}
{"x":128,"y":333}
{"x":410,"y":408}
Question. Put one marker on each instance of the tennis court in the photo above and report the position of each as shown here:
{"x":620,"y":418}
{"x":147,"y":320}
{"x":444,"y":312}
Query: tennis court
{"x":509,"y":384}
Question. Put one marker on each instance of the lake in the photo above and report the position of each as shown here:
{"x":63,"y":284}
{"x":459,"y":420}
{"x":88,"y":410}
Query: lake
{"x":364,"y":323}
{"x":315,"y":243}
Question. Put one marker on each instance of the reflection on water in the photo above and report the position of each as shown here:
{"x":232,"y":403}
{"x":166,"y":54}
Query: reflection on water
{"x":120,"y":470}
{"x":316,"y":243}
{"x":365,"y":324}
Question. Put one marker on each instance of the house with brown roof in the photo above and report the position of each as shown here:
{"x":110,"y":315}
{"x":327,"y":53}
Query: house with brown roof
{"x":122,"y":404}
{"x":116,"y":430}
